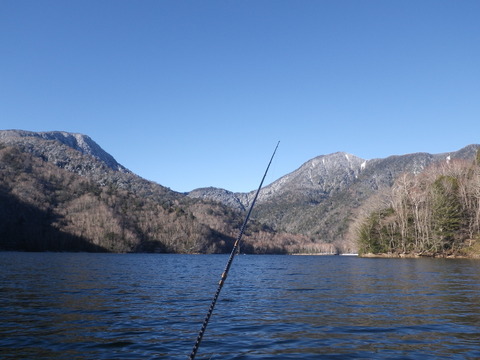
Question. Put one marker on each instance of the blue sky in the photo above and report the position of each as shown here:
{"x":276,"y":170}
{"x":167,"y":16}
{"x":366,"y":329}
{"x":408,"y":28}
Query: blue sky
{"x":197,"y":93}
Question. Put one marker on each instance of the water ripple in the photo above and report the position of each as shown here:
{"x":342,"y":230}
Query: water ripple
{"x":105,"y":306}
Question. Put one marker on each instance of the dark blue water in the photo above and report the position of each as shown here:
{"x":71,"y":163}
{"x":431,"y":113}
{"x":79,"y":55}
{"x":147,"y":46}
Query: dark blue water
{"x":146,"y":306}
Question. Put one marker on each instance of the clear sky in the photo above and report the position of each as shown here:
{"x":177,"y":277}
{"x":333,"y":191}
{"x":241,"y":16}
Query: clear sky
{"x":197,"y":93}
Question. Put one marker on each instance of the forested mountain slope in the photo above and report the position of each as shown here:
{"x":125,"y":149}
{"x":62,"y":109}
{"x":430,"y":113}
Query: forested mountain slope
{"x":321,"y":198}
{"x":62,"y":192}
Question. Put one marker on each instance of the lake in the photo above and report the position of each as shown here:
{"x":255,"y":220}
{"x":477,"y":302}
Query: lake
{"x":151,"y":306}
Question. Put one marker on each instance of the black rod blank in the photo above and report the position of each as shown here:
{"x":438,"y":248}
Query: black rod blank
{"x":229,"y":264}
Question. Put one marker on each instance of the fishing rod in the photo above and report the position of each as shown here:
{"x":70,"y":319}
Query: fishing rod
{"x":227,"y":267}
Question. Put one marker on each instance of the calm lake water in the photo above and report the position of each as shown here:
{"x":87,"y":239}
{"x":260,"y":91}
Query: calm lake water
{"x":151,"y":306}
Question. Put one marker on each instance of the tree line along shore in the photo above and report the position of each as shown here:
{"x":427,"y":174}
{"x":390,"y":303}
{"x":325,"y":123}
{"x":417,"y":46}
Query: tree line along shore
{"x":434,"y":213}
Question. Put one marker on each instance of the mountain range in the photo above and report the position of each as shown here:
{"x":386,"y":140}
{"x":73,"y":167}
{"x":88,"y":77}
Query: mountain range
{"x":320,"y":197}
{"x":84,"y":196}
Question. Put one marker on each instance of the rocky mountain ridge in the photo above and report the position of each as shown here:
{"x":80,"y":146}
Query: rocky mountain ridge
{"x":82,"y":143}
{"x":327,"y":174}
{"x":319,"y":198}
{"x":315,"y":179}
{"x":79,"y":154}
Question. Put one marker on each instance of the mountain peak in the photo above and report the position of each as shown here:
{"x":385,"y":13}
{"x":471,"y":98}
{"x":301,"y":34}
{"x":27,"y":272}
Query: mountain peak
{"x":80,"y":142}
{"x":340,"y":168}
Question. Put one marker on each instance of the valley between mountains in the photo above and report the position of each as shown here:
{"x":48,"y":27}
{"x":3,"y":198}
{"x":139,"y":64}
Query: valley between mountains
{"x":61,"y":191}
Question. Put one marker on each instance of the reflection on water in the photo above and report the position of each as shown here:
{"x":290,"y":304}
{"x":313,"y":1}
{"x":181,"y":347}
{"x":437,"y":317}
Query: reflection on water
{"x":151,"y":306}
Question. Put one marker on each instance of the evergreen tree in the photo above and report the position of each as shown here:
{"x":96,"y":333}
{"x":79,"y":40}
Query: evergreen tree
{"x":447,"y":212}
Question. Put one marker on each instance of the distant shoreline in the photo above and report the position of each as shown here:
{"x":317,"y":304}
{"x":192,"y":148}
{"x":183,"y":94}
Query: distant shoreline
{"x":322,"y":254}
{"x":416,"y":256}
